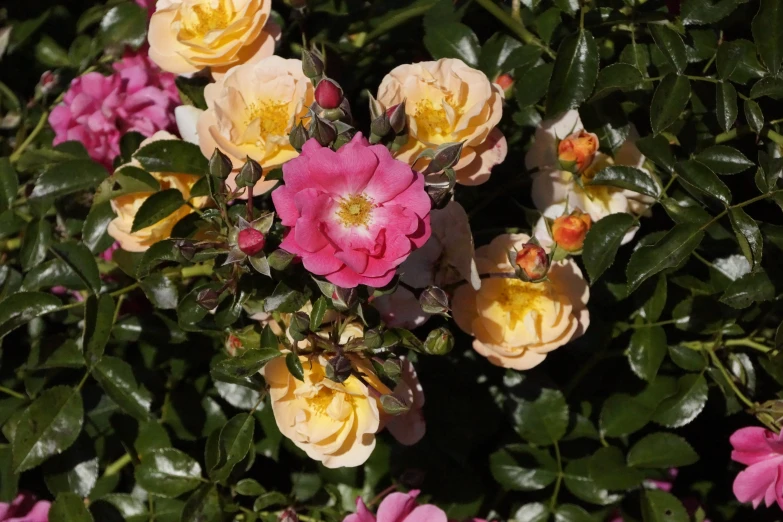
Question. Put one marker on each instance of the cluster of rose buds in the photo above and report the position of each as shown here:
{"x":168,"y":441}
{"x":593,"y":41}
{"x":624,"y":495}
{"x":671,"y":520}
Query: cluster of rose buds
{"x":389,"y":124}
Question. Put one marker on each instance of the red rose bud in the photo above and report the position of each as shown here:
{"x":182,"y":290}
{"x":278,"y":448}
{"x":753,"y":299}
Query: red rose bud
{"x":328,"y":94}
{"x":396,"y":115}
{"x":569,"y":231}
{"x":506,"y":82}
{"x":251,"y":241}
{"x":533,"y":261}
{"x":48,"y":82}
{"x":576,"y":152}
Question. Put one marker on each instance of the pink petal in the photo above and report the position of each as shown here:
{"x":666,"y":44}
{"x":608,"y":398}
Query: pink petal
{"x":396,"y":506}
{"x":426,"y":513}
{"x":362,"y":513}
{"x":750,"y":445}
{"x":751,"y":484}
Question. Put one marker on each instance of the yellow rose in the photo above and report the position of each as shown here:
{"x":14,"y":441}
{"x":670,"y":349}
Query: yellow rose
{"x":251,"y":111}
{"x":126,"y":207}
{"x":515,"y":323}
{"x":445,"y":102}
{"x":186,"y":36}
{"x":333,"y":423}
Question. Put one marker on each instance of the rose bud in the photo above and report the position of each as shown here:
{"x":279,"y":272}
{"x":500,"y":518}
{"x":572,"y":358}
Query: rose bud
{"x":251,"y":241}
{"x":533,"y":261}
{"x":396,"y":115}
{"x":328,"y":94}
{"x":506,"y":82}
{"x":569,"y":231}
{"x":576,"y":152}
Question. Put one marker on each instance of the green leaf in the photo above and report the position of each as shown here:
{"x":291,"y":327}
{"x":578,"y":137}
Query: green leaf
{"x":453,"y":40}
{"x":9,"y":184}
{"x":156,"y":207}
{"x":155,"y":255}
{"x":50,"y":53}
{"x":662,"y":450}
{"x":669,"y":102}
{"x":125,"y":24}
{"x":245,"y":365}
{"x":574,"y":73}
{"x":572,"y":513}
{"x":236,"y":437}
{"x":317,"y":315}
{"x":659,"y":506}
{"x":542,"y":421}
{"x":671,"y":45}
{"x":609,"y":470}
{"x":533,"y":85}
{"x":687,"y":359}
{"x":672,"y":249}
{"x":116,"y":378}
{"x":754,"y":116}
{"x":752,"y":287}
{"x":35,"y":243}
{"x":727,"y":59}
{"x":19,"y":308}
{"x":767,"y":30}
{"x":98,"y":322}
{"x":629,"y":178}
{"x":269,"y":340}
{"x":294,"y":366}
{"x":161,"y":291}
{"x":699,"y":12}
{"x":523,"y":468}
{"x":702,"y":179}
{"x":79,"y":259}
{"x":726,"y":105}
{"x":191,"y":90}
{"x":748,"y":235}
{"x":769,"y":87}
{"x":69,"y":507}
{"x":120,"y":506}
{"x":578,"y":481}
{"x":618,"y":76}
{"x":657,"y":149}
{"x":173,"y":156}
{"x":74,"y":471}
{"x":653,"y":307}
{"x":203,"y":506}
{"x":249,"y":487}
{"x":533,"y":512}
{"x":94,"y":230}
{"x":47,"y":427}
{"x":723,"y":159}
{"x":602,"y":242}
{"x":285,"y":299}
{"x":647,"y":351}
{"x":168,"y":472}
{"x":685,"y":405}
{"x":68,"y":177}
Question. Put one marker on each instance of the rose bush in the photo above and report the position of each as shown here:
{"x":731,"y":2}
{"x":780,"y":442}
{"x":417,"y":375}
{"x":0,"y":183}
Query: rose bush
{"x":391,"y":261}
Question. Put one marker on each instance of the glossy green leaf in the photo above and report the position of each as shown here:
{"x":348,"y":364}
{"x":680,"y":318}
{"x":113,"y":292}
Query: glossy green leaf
{"x":172,"y":156}
{"x":578,"y":481}
{"x":685,"y":405}
{"x":156,"y":207}
{"x":168,"y":472}
{"x":702,"y":179}
{"x":236,"y":437}
{"x":453,"y":40}
{"x":602,"y":242}
{"x":125,"y":24}
{"x":574,"y":74}
{"x":753,"y":115}
{"x":767,"y":30}
{"x":660,"y":506}
{"x":687,"y":359}
{"x":617,"y":76}
{"x":68,"y":177}
{"x":723,"y":159}
{"x":533,"y":512}
{"x":523,"y":468}
{"x":609,"y":470}
{"x":769,"y":87}
{"x":35,"y":243}
{"x":533,"y":85}
{"x":662,"y":450}
{"x":245,"y":365}
{"x":47,"y":427}
{"x":543,"y":420}
{"x":748,"y":235}
{"x":294,"y":366}
{"x":94,"y":230}
{"x":674,"y":247}
{"x":699,"y":12}
{"x":19,"y":308}
{"x":9,"y":184}
{"x":116,"y":378}
{"x":751,"y":287}
{"x":727,"y":59}
{"x":203,"y":506}
{"x":69,"y":507}
{"x":657,"y":149}
{"x":317,"y":315}
{"x":671,"y":45}
{"x":629,"y":178}
{"x":726,"y":105}
{"x":98,"y":322}
{"x":79,"y":259}
{"x":572,"y":513}
{"x":161,"y":291}
{"x":647,"y":351}
{"x":669,"y":101}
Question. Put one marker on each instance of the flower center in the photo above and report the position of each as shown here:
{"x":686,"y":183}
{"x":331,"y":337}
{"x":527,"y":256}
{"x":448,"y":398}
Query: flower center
{"x":355,"y":210}
{"x":272,"y":116}
{"x":519,"y":298}
{"x":201,"y":19}
{"x":322,"y":399}
{"x":431,"y":121}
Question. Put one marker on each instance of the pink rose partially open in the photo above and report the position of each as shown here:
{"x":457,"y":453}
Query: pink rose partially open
{"x":354,"y":214}
{"x":25,"y":508}
{"x":762,"y":451}
{"x":398,"y":507}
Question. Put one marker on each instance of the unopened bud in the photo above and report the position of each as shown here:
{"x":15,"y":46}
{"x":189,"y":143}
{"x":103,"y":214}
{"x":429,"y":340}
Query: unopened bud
{"x":312,"y":64}
{"x":300,"y":321}
{"x":48,"y":82}
{"x":533,"y":262}
{"x":569,"y":231}
{"x":220,"y":165}
{"x":289,"y":515}
{"x":380,"y":126}
{"x":338,"y":369}
{"x":323,"y":131}
{"x":506,"y":82}
{"x":376,"y":108}
{"x":186,"y":248}
{"x":576,"y":152}
{"x":332,"y":114}
{"x":298,"y":137}
{"x":434,"y":300}
{"x":344,"y":298}
{"x":446,"y":156}
{"x":208,"y":299}
{"x":439,"y":342}
{"x":397,"y":119}
{"x":328,"y":94}
{"x":249,"y":174}
{"x":251,"y":241}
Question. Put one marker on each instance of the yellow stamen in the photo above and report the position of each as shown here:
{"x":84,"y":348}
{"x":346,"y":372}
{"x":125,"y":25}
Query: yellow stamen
{"x":355,"y":210}
{"x":203,"y":19}
{"x":272,"y":116}
{"x":519,"y":298}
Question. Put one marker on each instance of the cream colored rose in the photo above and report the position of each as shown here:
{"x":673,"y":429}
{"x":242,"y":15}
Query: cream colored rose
{"x":447,"y":101}
{"x":186,"y":36}
{"x":333,"y":423}
{"x":126,"y":207}
{"x":251,"y":111}
{"x":515,"y":323}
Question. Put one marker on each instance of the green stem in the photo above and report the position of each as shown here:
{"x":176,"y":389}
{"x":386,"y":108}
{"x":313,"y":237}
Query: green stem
{"x":10,"y":244}
{"x":659,"y":323}
{"x":741,"y":396}
{"x":117,"y":465}
{"x":37,"y":130}
{"x":515,"y":26}
{"x":125,"y":290}
{"x":749,"y":344}
{"x":702,"y":79}
{"x":556,"y":492}
{"x":12,"y":393}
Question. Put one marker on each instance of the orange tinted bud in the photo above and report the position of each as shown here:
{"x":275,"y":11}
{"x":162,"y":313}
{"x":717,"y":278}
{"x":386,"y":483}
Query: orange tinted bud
{"x":569,"y":231}
{"x":533,"y":261}
{"x":576,"y":152}
{"x":506,"y":81}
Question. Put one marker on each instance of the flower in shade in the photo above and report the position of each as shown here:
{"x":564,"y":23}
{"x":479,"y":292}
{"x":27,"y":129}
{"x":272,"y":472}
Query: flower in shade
{"x":562,"y":150}
{"x":186,"y":36}
{"x":97,"y":110}
{"x":446,"y":102}
{"x":398,"y":507}
{"x":409,"y":427}
{"x":354,"y":214}
{"x":516,"y":323}
{"x":762,"y":451}
{"x":25,"y":508}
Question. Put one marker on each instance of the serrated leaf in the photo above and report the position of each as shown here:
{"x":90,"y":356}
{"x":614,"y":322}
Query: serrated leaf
{"x":609,"y":470}
{"x":94,"y":234}
{"x":767,"y":27}
{"x":294,"y":366}
{"x":168,"y":472}
{"x":685,"y":405}
{"x":748,"y":235}
{"x":317,"y":315}
{"x":544,"y":420}
{"x":657,"y":149}
{"x":602,"y":242}
{"x":236,"y":437}
{"x":629,"y":178}
{"x":35,"y":243}
{"x":19,"y":308}
{"x":674,"y":247}
{"x":750,"y":288}
{"x":617,"y":76}
{"x":116,"y":378}
{"x":662,"y":450}
{"x":156,"y":207}
{"x":574,"y":74}
{"x":702,"y":179}
{"x":69,"y":507}
{"x":172,"y":156}
{"x":523,"y":468}
{"x":453,"y":40}
{"x":647,"y":351}
{"x":726,"y":105}
{"x":68,"y":177}
{"x":727,"y":59}
{"x":754,"y":116}
{"x":723,"y":159}
{"x":9,"y":184}
{"x":669,"y":102}
{"x":533,"y":85}
{"x":245,"y":365}
{"x":98,"y":322}
{"x":671,"y":45}
{"x":660,"y":506}
{"x":79,"y":259}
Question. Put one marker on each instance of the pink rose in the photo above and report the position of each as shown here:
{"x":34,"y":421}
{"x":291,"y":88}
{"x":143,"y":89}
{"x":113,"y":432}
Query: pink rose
{"x":355,"y":214}
{"x":762,"y":451}
{"x":97,"y":110}
{"x":24,"y":508}
{"x":398,"y":507}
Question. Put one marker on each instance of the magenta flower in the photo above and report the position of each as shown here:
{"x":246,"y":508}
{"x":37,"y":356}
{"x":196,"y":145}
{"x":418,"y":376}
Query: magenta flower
{"x":97,"y":110}
{"x":398,"y":507}
{"x":762,"y":451}
{"x":355,"y":214}
{"x":24,"y":508}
